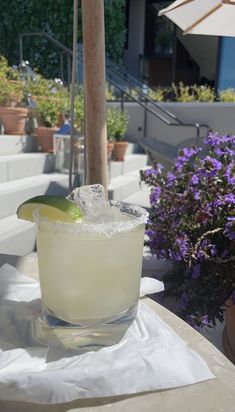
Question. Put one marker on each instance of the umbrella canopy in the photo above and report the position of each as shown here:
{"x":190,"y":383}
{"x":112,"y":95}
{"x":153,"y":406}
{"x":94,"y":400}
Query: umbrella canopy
{"x":207,"y":17}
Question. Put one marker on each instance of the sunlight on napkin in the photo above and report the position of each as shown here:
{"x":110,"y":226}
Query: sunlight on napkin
{"x":150,"y":356}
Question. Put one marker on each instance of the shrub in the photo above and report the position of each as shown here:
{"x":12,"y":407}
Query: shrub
{"x":117,"y":122}
{"x":192,"y":224}
{"x":227,"y":96}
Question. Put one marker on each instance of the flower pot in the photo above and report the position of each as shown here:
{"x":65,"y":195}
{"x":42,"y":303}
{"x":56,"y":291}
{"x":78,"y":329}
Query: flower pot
{"x":119,"y":150}
{"x":13,"y":119}
{"x":110,"y":147}
{"x":228,"y":338}
{"x":45,"y":138}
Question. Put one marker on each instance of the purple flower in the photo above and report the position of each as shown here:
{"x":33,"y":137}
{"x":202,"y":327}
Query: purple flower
{"x":171,"y":177}
{"x":155,"y":196}
{"x":212,"y":139}
{"x":150,"y":233}
{"x":229,"y":198}
{"x":192,"y":223}
{"x":210,"y":167}
{"x":229,"y":230}
{"x":160,"y":167}
{"x":150,"y":172}
{"x":205,"y":320}
{"x":217,"y":202}
{"x":194,"y":179}
{"x":190,"y":319}
{"x":230,"y":173}
{"x":196,"y":195}
{"x":180,"y":248}
{"x":184,"y":156}
{"x":213,"y":250}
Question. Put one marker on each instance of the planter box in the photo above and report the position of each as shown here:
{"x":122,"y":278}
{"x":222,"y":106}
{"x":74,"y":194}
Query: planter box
{"x":218,"y":116}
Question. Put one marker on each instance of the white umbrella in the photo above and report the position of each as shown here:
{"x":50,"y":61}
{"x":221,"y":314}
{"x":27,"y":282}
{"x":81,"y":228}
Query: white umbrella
{"x":207,"y":17}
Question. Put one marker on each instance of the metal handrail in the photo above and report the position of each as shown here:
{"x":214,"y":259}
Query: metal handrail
{"x":196,"y":125}
{"x":52,"y":40}
{"x":148,"y":99}
{"x":48,"y":37}
{"x":110,"y":73}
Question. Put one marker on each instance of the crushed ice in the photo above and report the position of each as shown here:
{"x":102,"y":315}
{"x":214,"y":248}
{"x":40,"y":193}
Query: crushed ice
{"x":103,"y":217}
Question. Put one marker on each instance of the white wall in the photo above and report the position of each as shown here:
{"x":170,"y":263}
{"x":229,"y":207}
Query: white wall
{"x":203,"y":49}
{"x":218,"y":116}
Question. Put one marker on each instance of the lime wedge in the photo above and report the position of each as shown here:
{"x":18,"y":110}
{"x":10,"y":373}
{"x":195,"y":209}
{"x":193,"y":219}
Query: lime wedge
{"x":55,"y":208}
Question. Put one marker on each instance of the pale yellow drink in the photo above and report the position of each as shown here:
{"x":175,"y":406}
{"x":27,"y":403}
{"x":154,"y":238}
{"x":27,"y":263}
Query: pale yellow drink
{"x":90,"y":275}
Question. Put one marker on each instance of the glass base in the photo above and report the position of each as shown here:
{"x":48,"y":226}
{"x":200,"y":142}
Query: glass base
{"x":58,"y":333}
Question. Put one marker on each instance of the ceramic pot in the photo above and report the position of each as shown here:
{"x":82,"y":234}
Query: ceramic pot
{"x":110,"y":147}
{"x":228,"y":338}
{"x":119,"y":150}
{"x":45,"y":138}
{"x":13,"y":119}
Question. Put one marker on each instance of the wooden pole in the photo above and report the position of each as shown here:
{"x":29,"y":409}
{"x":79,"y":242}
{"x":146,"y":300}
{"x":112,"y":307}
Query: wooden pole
{"x":94,"y":88}
{"x":73,"y":91}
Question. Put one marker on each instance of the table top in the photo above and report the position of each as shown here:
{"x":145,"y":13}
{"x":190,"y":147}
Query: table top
{"x":214,"y":395}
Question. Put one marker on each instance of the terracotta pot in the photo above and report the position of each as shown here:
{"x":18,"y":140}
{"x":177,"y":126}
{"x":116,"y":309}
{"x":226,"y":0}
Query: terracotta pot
{"x":110,"y":147}
{"x":13,"y":119}
{"x":119,"y":150}
{"x":228,"y":338}
{"x":45,"y":138}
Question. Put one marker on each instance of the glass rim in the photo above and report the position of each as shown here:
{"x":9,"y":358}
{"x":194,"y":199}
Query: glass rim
{"x":138,"y":217}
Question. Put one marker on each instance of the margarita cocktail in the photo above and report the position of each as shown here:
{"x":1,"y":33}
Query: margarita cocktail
{"x":90,"y":258}
{"x":90,"y":272}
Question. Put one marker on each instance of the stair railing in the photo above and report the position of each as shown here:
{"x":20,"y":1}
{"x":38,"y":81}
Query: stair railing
{"x":129,"y":83}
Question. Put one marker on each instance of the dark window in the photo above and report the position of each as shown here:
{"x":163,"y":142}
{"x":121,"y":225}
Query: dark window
{"x":159,"y":31}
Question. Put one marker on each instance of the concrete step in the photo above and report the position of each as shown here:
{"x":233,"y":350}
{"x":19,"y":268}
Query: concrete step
{"x":17,"y":144}
{"x":18,"y":237}
{"x":13,"y":193}
{"x":133,"y":148}
{"x":131,"y":163}
{"x":18,"y":166}
{"x":140,"y":198}
{"x":123,"y":186}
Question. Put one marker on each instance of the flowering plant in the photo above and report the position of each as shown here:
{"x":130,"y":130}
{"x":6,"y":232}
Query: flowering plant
{"x":192,"y":224}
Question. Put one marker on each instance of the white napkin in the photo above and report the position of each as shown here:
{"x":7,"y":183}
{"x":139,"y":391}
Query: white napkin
{"x":150,"y":355}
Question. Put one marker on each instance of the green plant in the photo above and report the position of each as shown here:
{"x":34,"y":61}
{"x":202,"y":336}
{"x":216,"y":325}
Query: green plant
{"x":192,"y":224}
{"x":193,"y":93}
{"x":11,"y":88}
{"x":117,"y":121}
{"x":227,"y":96}
{"x":109,"y":92}
{"x":56,"y":19}
{"x":183,"y":93}
{"x":79,"y":110}
{"x":40,"y":86}
{"x":157,"y":94}
{"x":115,"y":28}
{"x":11,"y":93}
{"x":48,"y":110}
{"x":204,"y":94}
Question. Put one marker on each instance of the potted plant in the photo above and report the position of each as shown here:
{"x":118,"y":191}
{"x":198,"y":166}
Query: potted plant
{"x":117,"y":121}
{"x":192,"y":224}
{"x":48,"y":111}
{"x":12,"y":110}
